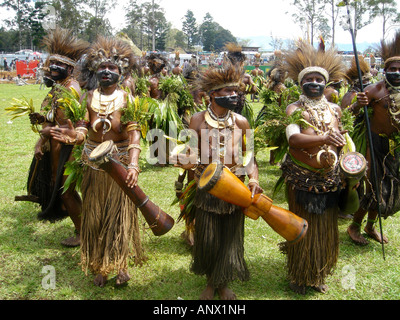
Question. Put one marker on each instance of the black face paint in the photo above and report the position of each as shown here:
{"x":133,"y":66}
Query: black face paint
{"x":313,"y":90}
{"x":62,"y":72}
{"x":49,"y":82}
{"x":393,"y":78}
{"x":228,"y":102}
{"x":107,"y":78}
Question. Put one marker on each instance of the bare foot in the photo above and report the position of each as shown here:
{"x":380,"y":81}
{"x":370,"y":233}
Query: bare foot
{"x":72,"y":241}
{"x":323,"y":288}
{"x":100,"y":280}
{"x":375,"y":235}
{"x":297,"y":289}
{"x":355,"y":235}
{"x":208,"y":293}
{"x":226,"y":294}
{"x":122,"y":278}
{"x":188,"y":237}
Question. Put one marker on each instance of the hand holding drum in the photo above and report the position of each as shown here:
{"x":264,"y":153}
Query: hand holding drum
{"x":104,"y":156}
{"x":219,"y":181}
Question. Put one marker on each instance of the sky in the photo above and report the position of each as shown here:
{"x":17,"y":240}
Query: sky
{"x":250,"y":18}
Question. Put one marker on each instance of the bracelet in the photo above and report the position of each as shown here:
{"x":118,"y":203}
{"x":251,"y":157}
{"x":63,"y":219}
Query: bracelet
{"x":254,"y":181}
{"x":134,"y":146}
{"x":134,"y":167}
{"x":133,"y":127}
{"x":82,"y":131}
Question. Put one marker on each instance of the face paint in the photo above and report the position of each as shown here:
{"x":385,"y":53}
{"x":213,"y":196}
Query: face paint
{"x":49,"y":82}
{"x":313,"y":89}
{"x":393,"y":78}
{"x":228,"y":102}
{"x":62,"y":72}
{"x":107,"y":78}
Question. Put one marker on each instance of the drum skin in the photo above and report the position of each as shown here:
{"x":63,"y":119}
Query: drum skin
{"x":353,"y":166}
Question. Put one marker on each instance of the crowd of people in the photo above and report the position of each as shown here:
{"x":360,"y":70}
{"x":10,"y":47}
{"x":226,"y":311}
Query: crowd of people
{"x":107,"y":79}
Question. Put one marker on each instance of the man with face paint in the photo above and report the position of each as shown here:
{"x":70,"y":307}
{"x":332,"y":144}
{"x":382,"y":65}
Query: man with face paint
{"x":383,"y":98}
{"x":218,"y":250}
{"x":352,"y":78}
{"x":46,"y":177}
{"x":311,"y":168}
{"x":110,"y":228}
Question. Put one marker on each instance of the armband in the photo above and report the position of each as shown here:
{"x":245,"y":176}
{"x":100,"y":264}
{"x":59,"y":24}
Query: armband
{"x":292,"y":129}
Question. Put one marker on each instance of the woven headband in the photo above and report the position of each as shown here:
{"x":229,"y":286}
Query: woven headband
{"x":311,"y":70}
{"x":63,"y":59}
{"x":225,"y":85}
{"x":390,"y":60}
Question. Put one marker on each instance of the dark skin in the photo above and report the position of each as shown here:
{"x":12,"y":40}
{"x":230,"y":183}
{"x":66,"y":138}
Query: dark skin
{"x":117,"y":134}
{"x":198,"y":123}
{"x":71,"y":199}
{"x":308,"y":138}
{"x":374,"y":96}
{"x":310,"y":142}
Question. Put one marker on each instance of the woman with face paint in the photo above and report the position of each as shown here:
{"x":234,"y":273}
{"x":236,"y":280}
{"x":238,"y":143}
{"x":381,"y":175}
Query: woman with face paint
{"x":110,"y":228}
{"x":383,"y":98}
{"x":218,"y":251}
{"x":311,"y":167}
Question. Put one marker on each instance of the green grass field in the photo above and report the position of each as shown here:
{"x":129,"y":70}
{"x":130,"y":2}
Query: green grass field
{"x":28,"y":245}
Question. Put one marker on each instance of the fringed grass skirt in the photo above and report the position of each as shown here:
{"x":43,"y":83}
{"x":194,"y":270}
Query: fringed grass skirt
{"x":218,"y":250}
{"x":313,"y":258}
{"x":110,"y":227}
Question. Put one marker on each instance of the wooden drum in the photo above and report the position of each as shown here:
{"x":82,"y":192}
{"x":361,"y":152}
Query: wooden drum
{"x":219,"y":181}
{"x":105,"y":157}
{"x":353,"y":166}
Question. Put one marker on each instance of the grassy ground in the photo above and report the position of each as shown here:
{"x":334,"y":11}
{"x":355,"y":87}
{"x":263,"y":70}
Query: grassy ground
{"x":28,"y":245}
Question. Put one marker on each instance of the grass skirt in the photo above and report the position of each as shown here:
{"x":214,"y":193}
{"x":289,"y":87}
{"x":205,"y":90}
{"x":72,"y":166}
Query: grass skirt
{"x":313,"y":258}
{"x":218,"y":250}
{"x":110,"y":226}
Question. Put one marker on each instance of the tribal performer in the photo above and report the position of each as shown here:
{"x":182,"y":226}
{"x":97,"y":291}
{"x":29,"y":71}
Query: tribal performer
{"x":46,"y":176}
{"x":354,"y":82}
{"x":236,"y":57}
{"x":110,"y":227}
{"x":311,"y":168}
{"x":218,"y":250}
{"x":156,"y":64}
{"x":383,"y":98}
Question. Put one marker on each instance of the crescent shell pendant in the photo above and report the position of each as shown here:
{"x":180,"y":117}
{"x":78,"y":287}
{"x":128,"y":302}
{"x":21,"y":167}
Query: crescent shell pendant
{"x":329,"y":151}
{"x":102,"y":121}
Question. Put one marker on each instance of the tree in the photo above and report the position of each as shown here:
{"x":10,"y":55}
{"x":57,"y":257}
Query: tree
{"x":310,"y":13}
{"x":134,"y":18}
{"x":207,"y":31}
{"x":189,"y":28}
{"x":71,"y":14}
{"x":222,"y":37}
{"x":387,"y":10}
{"x":333,"y":13}
{"x":361,"y":12}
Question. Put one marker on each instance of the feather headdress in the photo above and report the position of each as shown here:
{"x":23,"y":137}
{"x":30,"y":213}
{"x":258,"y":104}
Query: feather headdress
{"x":306,"y":59}
{"x":62,"y":46}
{"x":213,"y":79}
{"x":113,"y":50}
{"x":390,"y":51}
{"x":156,"y":62}
{"x":352,"y":72}
{"x":235,"y":54}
